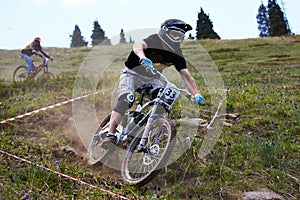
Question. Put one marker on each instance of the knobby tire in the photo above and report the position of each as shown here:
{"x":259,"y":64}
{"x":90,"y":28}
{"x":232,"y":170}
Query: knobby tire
{"x":20,"y":74}
{"x":96,"y":153}
{"x":138,"y":168}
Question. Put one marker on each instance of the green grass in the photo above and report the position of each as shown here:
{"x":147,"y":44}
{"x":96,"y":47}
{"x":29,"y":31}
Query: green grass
{"x":260,"y":150}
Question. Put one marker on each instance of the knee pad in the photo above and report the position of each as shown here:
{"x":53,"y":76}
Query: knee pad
{"x":125,"y":102}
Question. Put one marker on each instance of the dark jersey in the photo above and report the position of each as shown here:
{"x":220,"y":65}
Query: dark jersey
{"x":157,"y":53}
{"x":33,"y":46}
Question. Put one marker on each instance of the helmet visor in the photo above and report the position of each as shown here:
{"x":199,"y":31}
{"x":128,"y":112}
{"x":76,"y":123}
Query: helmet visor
{"x":176,"y":36}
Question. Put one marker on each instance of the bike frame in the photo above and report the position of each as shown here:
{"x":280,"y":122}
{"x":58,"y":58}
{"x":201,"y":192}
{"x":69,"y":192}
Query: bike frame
{"x":132,"y":127}
{"x":44,"y":65}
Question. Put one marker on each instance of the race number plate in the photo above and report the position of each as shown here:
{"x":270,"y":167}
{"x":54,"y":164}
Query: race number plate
{"x":170,"y":94}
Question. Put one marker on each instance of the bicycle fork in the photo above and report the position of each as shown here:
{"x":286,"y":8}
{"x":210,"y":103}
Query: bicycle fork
{"x":145,"y":135}
{"x":146,"y":132}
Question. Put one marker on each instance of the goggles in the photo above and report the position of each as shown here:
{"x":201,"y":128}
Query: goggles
{"x":175,"y":36}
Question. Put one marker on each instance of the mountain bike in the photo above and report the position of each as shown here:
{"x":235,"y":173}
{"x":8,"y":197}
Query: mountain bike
{"x":147,"y":134}
{"x":21,"y":72}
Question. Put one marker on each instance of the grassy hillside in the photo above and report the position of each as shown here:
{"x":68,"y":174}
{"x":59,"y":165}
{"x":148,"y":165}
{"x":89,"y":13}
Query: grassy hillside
{"x":259,"y":148}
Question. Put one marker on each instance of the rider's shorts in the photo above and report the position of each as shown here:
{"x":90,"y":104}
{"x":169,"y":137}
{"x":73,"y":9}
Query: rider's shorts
{"x":130,"y":81}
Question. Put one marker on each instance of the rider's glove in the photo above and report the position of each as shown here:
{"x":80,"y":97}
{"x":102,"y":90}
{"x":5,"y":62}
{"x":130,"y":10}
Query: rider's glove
{"x":199,"y":99}
{"x":147,"y":63}
{"x":34,"y":51}
{"x":51,"y":58}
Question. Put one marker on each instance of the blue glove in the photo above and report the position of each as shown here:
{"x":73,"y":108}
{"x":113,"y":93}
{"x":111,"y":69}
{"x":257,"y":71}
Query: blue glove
{"x":147,"y":63}
{"x":199,"y":99}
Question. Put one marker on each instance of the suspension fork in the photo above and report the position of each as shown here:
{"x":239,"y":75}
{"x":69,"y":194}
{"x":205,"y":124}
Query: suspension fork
{"x":147,"y":129}
{"x":45,"y":68}
{"x":146,"y":132}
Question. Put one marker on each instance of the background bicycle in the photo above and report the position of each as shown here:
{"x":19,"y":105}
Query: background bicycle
{"x":21,"y":74}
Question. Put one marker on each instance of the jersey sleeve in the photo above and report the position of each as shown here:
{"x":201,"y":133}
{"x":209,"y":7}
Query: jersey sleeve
{"x":180,"y":62}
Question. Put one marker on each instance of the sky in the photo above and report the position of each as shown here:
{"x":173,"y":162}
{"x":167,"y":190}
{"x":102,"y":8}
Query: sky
{"x":55,"y":20}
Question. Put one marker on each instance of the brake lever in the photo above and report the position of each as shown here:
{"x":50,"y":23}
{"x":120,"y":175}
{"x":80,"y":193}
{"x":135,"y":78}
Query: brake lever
{"x":189,"y":96}
{"x":153,"y":71}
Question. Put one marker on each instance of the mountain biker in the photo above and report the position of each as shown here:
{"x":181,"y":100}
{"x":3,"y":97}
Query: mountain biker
{"x":163,"y":48}
{"x":31,"y":49}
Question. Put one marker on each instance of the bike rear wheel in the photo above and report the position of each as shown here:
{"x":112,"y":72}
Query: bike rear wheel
{"x":20,"y":74}
{"x":139,"y":168}
{"x":96,"y":153}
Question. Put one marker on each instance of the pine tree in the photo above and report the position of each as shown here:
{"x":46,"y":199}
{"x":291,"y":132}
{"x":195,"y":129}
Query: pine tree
{"x":77,"y":40}
{"x":263,"y":21}
{"x":130,"y":40}
{"x":204,"y":29}
{"x":285,"y":18}
{"x":98,"y":36}
{"x":122,"y":37}
{"x":271,"y":20}
{"x":278,"y":25}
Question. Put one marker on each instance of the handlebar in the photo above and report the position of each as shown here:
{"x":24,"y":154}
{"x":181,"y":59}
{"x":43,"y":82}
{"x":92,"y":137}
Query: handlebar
{"x":40,"y":55}
{"x":46,"y":60}
{"x":158,"y":74}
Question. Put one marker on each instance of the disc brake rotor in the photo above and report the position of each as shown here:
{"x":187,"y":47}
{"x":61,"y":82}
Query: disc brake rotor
{"x":151,"y":155}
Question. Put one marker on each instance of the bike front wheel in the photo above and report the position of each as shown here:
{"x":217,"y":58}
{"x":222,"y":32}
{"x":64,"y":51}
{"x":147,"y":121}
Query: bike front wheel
{"x":47,"y":75}
{"x":20,"y":74}
{"x":139,"y":168}
{"x":43,"y":79}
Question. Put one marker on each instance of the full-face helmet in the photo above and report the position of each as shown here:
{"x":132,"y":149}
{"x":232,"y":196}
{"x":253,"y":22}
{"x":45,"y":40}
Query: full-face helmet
{"x":172,"y":32}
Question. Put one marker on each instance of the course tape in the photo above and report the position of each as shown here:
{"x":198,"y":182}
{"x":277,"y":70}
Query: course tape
{"x":48,"y":107}
{"x":64,"y":175}
{"x":48,"y":169}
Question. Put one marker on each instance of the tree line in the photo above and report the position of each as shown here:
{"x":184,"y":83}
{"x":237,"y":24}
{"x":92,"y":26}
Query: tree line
{"x":98,"y":37}
{"x":271,"y":22}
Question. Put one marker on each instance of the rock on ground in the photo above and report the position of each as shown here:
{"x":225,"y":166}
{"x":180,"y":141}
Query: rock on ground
{"x":262,"y":194}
